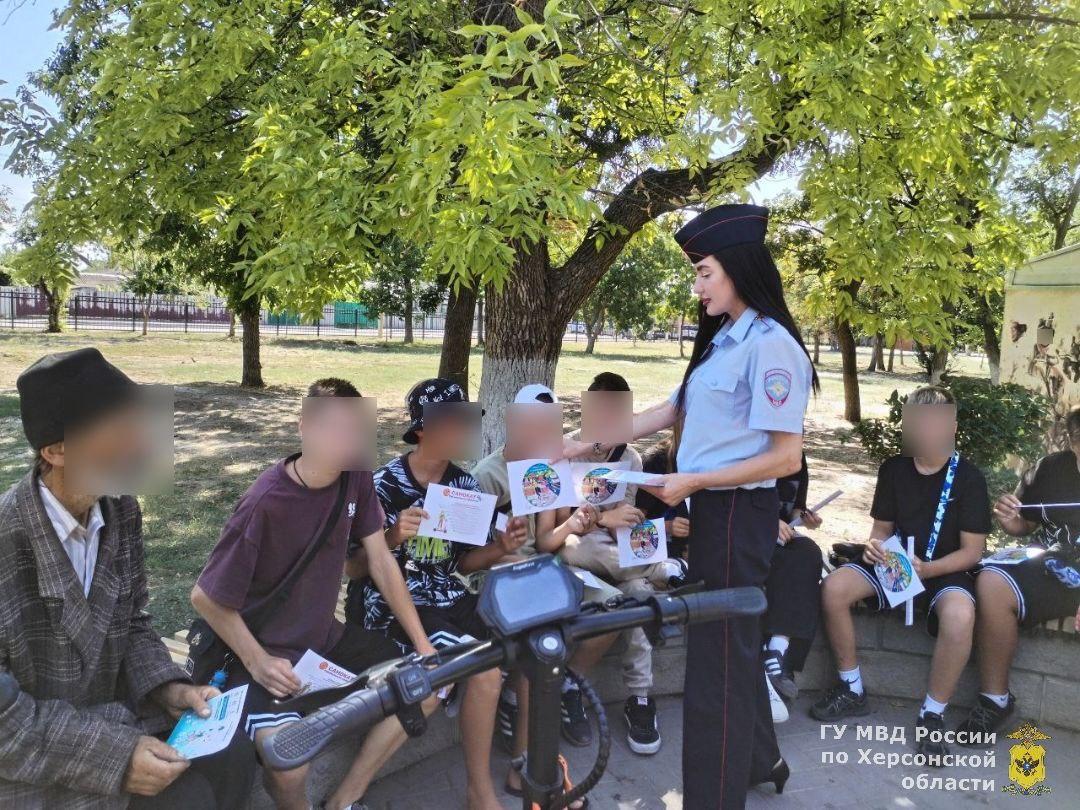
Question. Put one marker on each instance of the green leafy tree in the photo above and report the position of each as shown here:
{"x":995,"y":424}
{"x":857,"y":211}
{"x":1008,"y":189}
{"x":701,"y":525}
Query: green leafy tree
{"x":629,"y":294}
{"x":7,"y":217}
{"x":996,"y":425}
{"x":147,"y":274}
{"x":399,"y":285}
{"x":527,"y":142}
{"x":1050,"y":188}
{"x":47,"y":264}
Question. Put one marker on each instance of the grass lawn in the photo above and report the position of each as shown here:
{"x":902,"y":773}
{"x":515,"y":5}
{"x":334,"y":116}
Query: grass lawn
{"x":225,"y":435}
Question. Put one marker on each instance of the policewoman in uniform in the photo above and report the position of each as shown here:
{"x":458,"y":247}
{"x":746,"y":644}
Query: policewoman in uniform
{"x":741,"y":403}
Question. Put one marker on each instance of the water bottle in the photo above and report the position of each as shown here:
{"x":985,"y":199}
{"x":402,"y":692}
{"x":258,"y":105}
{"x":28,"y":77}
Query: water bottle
{"x":218,"y":680}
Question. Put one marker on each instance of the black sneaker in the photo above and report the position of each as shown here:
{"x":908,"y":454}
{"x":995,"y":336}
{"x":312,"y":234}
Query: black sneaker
{"x":677,"y":580}
{"x":576,"y":728}
{"x":506,"y":722}
{"x":781,"y":678}
{"x":984,"y":718}
{"x":931,"y":742}
{"x":642,"y":731}
{"x":840,"y":702}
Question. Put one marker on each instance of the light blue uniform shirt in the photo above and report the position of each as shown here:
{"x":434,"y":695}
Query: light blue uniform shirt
{"x":756,"y":378}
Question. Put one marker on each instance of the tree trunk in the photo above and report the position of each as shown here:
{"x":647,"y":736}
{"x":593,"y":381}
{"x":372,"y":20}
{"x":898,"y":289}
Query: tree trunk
{"x":1064,"y":224}
{"x":872,"y":366}
{"x":145,"y":316}
{"x":934,"y":361}
{"x":53,"y":304}
{"x":849,"y":360}
{"x":232,"y":324}
{"x":682,"y":325}
{"x":457,"y":336}
{"x":593,"y":327}
{"x":408,"y":313}
{"x":520,"y":350}
{"x":817,"y":347}
{"x":991,"y":339}
{"x":480,"y":320}
{"x":249,"y":322}
{"x":877,"y":353}
{"x":892,"y":354}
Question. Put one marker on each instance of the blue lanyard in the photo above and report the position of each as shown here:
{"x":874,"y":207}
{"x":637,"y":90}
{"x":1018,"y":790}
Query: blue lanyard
{"x":943,"y":504}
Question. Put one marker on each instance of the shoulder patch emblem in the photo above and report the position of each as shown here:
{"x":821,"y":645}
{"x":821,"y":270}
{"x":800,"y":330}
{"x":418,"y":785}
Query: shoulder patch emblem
{"x":777,"y":382}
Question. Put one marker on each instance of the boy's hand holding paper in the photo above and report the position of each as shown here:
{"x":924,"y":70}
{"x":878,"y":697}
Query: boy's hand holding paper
{"x":317,"y":673}
{"x":458,"y":515}
{"x":896,"y":573}
{"x":537,"y":485}
{"x":643,"y":544}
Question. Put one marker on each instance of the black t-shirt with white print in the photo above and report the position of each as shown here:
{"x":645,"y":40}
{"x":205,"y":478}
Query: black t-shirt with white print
{"x":1054,"y":479}
{"x":909,"y":500}
{"x":428,"y":564}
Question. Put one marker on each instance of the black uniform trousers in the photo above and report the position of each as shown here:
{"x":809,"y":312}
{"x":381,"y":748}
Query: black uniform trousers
{"x":728,"y":738}
{"x":793,"y":589}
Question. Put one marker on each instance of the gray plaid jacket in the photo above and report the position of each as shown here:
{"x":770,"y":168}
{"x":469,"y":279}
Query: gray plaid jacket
{"x":85,"y":665}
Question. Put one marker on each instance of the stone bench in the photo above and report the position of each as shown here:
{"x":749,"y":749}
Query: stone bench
{"x":895,"y":662}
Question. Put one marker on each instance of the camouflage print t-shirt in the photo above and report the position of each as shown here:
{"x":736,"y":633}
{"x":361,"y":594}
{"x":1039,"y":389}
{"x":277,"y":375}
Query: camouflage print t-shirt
{"x":428,"y":564}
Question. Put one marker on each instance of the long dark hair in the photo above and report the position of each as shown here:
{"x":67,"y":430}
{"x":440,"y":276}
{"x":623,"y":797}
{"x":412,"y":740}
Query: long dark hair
{"x":757,"y":282}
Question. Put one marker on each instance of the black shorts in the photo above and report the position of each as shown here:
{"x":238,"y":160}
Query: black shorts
{"x":455,"y":624}
{"x":962,"y":581}
{"x":1039,"y":595}
{"x":357,"y":650}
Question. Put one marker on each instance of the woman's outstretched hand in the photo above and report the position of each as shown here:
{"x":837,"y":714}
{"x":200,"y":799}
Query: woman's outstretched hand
{"x":675,"y":489}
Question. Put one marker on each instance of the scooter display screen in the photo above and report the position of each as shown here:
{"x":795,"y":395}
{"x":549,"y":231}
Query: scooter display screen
{"x":529,"y":594}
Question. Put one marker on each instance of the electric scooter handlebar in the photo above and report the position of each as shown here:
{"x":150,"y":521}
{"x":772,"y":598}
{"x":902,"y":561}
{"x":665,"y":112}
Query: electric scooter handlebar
{"x":298,"y":743}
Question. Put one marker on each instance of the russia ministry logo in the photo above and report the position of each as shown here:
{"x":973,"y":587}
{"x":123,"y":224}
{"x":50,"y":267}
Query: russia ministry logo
{"x":777,"y":386}
{"x":352,"y":509}
{"x":1027,"y":762}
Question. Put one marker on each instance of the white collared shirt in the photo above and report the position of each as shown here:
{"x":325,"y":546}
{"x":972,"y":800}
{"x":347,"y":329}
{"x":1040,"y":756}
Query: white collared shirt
{"x":80,"y":544}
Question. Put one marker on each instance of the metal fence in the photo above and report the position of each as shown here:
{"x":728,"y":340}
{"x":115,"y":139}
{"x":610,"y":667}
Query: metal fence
{"x":87,"y":310}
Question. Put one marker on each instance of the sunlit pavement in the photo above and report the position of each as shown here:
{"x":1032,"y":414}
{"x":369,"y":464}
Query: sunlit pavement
{"x":632,"y":781}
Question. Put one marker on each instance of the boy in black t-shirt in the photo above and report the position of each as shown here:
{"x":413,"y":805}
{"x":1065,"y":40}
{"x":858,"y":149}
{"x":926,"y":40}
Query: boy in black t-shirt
{"x":430,"y":565}
{"x":1044,"y":587}
{"x":906,"y":503}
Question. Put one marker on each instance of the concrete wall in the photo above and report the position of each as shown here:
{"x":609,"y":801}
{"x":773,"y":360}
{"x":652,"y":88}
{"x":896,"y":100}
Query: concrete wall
{"x":1040,"y":347}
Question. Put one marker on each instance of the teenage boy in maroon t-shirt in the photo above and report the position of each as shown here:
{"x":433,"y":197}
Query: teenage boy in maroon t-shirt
{"x":269,"y":531}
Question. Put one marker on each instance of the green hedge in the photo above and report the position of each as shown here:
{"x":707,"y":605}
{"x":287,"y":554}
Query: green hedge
{"x":993,"y":423}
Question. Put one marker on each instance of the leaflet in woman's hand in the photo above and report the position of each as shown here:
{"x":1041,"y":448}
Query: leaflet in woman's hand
{"x":635,"y":477}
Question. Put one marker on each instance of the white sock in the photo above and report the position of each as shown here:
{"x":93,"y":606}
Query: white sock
{"x":1001,"y":700}
{"x":779,"y":644}
{"x":853,"y":679}
{"x":931,"y":705}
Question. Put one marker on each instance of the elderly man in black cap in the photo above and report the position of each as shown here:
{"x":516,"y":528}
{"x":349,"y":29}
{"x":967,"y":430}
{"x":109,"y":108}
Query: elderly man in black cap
{"x":87,"y":689}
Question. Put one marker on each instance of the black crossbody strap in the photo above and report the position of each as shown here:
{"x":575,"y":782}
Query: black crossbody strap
{"x":259,"y":614}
